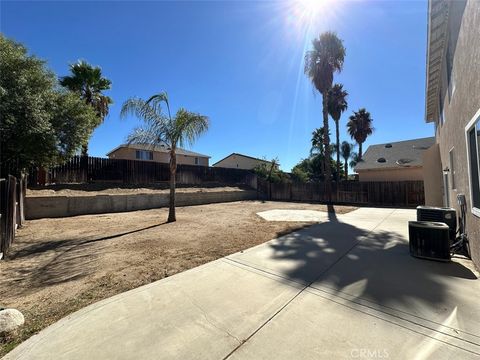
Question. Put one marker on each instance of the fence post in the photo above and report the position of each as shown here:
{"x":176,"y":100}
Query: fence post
{"x":21,"y":192}
{"x":3,"y":216}
{"x":8,"y":211}
{"x":84,"y":168}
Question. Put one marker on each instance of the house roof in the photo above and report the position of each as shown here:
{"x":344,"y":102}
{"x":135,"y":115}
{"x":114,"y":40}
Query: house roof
{"x":395,"y":155}
{"x":438,"y":12}
{"x":162,"y":148}
{"x":245,"y":156}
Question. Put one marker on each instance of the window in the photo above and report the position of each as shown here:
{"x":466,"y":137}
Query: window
{"x":196,"y":161}
{"x":144,"y":155}
{"x":452,"y":169}
{"x":472,"y":133}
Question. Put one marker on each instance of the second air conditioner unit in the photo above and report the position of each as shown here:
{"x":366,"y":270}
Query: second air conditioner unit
{"x":439,"y":214}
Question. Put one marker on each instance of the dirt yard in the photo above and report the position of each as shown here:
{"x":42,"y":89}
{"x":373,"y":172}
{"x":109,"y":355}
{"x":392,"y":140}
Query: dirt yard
{"x":121,"y":189}
{"x":57,"y":266}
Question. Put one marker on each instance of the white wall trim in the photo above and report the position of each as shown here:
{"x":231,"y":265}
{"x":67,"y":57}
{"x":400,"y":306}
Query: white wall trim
{"x":475,"y":118}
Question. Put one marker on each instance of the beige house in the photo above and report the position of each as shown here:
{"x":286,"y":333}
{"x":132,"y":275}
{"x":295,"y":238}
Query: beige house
{"x":240,"y":161}
{"x":452,"y":165}
{"x":396,"y":161}
{"x":159,"y":154}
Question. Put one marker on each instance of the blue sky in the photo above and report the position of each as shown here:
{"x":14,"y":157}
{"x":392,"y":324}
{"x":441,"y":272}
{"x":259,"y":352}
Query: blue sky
{"x":240,"y":63}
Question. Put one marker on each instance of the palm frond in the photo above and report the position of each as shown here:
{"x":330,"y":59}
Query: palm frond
{"x":188,"y":126}
{"x":157,"y":100}
{"x":325,"y":58}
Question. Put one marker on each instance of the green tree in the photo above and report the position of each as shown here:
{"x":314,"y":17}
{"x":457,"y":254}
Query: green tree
{"x":354,"y":159}
{"x":160,"y":128}
{"x":299,"y":174}
{"x":318,"y":149}
{"x":88,"y":81}
{"x":40,"y":124}
{"x":308,"y":170}
{"x":269,"y":171}
{"x":337,"y":104}
{"x":359,"y":127}
{"x":321,"y":62}
{"x":318,"y":141}
{"x":346,"y":151}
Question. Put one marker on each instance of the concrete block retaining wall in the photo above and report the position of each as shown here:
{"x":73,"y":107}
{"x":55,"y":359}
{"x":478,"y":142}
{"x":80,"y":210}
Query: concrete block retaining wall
{"x":38,"y":207}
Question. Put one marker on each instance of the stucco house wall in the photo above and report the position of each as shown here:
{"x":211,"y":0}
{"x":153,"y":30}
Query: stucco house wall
{"x":432,"y":176}
{"x":404,"y":174}
{"x":238,"y":161}
{"x":162,"y":157}
{"x":460,"y":103}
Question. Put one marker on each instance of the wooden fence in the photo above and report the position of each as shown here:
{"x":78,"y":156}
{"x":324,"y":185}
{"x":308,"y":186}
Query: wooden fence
{"x":92,"y":169}
{"x":12,"y":205}
{"x":398,"y":194}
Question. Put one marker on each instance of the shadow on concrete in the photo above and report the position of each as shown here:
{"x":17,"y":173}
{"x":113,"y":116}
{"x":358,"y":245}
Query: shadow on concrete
{"x":376,"y":266}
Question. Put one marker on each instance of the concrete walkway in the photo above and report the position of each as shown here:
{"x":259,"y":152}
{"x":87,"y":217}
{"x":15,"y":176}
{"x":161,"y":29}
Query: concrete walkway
{"x":346,"y":288}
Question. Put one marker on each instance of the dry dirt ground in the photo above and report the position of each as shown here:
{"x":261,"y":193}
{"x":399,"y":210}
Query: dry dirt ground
{"x":57,"y":266}
{"x":121,"y":189}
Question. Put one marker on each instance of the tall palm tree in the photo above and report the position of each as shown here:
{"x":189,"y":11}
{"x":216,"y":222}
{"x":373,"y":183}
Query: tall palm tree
{"x":346,"y":151}
{"x":337,"y":104}
{"x":321,"y":62}
{"x":88,"y":81}
{"x":160,"y":129}
{"x":360,"y":127}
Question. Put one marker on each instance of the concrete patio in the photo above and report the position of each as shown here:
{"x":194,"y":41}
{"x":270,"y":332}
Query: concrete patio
{"x":345,"y":288}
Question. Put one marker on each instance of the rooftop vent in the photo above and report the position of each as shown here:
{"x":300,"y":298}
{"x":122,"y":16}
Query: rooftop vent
{"x":381,"y":160}
{"x":420,"y":147}
{"x":388,"y":146}
{"x":404,"y":162}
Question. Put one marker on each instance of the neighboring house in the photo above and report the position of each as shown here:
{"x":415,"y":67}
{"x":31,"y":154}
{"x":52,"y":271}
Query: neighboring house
{"x":396,"y":161}
{"x":453,"y":105}
{"x":159,"y":154}
{"x":239,"y":161}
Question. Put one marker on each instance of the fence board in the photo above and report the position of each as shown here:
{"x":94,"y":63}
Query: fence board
{"x":81,"y":169}
{"x":399,"y":194}
{"x":8,"y":212}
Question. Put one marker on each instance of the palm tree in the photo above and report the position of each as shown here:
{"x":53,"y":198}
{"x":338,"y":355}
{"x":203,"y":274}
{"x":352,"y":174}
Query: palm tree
{"x":88,"y":81}
{"x":360,"y":127}
{"x":321,"y":62}
{"x":318,"y":147}
{"x":161,"y":129}
{"x":346,"y":151}
{"x":354,"y":159}
{"x":318,"y":143}
{"x":337,"y":104}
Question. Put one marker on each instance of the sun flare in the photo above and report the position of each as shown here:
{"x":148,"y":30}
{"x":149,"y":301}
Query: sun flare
{"x":307,"y":11}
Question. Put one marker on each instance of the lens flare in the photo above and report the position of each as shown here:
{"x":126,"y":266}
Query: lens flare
{"x":307,"y":11}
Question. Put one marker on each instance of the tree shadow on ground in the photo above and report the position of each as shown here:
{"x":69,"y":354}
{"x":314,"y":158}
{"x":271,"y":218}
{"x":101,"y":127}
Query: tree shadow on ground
{"x":73,"y":259}
{"x":372,"y":265}
{"x":69,"y":244}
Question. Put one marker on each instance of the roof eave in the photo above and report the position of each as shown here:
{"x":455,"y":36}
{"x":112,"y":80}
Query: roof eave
{"x":436,"y":38}
{"x":390,"y":168}
{"x":129,"y":146}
